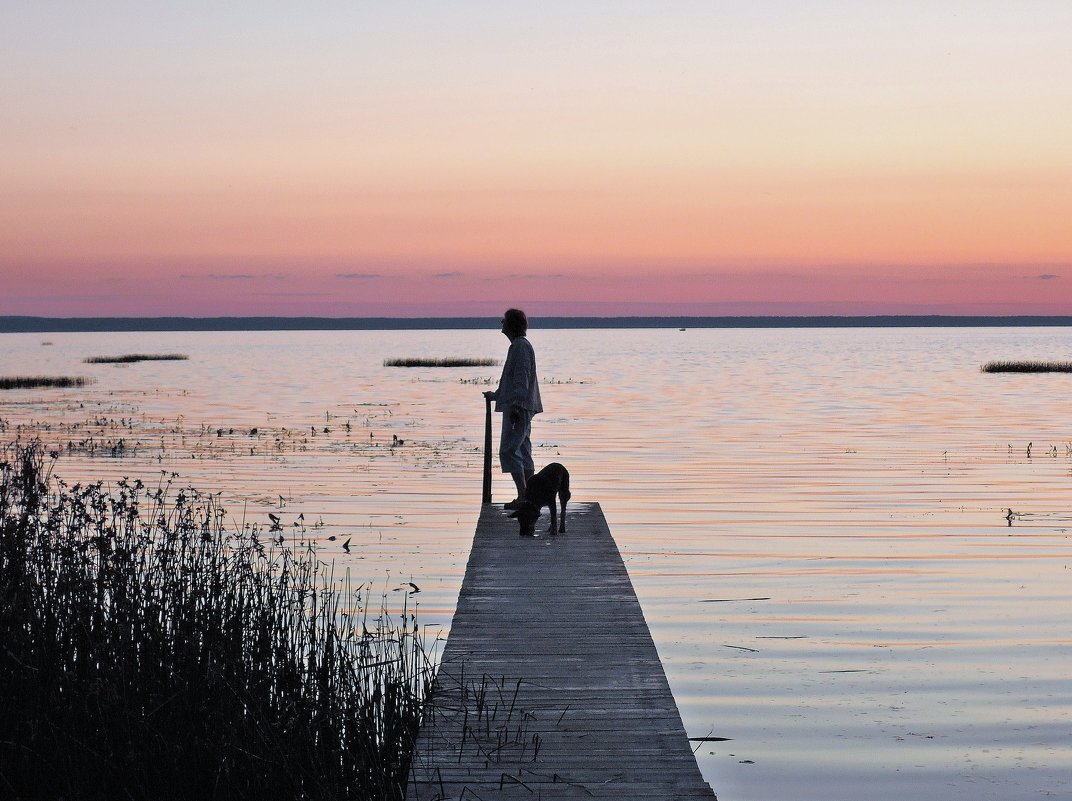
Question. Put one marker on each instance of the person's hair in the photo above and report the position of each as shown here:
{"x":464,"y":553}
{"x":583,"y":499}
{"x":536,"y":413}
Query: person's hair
{"x":517,"y":324}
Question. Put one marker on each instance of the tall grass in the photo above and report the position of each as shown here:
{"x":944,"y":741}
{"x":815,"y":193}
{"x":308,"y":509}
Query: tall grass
{"x":147,"y":652}
{"x":127,"y":358}
{"x":35,"y":381}
{"x":414,"y":361}
{"x":1026,"y":367}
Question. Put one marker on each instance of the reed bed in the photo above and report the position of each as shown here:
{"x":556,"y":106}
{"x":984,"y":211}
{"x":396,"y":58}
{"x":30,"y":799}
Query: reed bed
{"x":414,"y":361}
{"x":148,"y":652}
{"x":128,"y":358}
{"x":36,"y":381}
{"x":1026,"y":367}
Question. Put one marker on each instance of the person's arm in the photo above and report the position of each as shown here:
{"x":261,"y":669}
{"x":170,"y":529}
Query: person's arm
{"x":522,"y":378}
{"x":505,"y":380}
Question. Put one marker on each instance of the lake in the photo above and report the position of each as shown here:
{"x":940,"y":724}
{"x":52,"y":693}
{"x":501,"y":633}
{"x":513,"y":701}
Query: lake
{"x":816,"y":521}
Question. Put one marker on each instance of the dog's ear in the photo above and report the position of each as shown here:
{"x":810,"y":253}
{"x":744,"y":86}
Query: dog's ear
{"x":512,"y":515}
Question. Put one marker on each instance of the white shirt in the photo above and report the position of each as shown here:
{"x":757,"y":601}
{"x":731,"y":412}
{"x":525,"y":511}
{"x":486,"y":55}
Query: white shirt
{"x":518,"y":385}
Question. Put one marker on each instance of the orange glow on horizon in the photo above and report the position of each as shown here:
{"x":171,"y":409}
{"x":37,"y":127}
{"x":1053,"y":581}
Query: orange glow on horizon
{"x":810,"y":159}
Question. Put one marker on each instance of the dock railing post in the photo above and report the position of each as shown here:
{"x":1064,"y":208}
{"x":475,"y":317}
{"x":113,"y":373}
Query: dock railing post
{"x":487,"y":450}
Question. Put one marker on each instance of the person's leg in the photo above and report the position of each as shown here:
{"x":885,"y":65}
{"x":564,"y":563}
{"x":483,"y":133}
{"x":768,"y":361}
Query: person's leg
{"x":528,"y":469}
{"x":510,"y":453}
{"x":521,"y":480}
{"x":526,"y":450}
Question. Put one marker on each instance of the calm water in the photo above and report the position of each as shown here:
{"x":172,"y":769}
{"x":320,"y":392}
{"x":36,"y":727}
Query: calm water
{"x":814,"y":520}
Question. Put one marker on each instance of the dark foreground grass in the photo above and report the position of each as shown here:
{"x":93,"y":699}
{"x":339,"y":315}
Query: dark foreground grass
{"x":148,"y":653}
{"x":447,"y":362}
{"x":35,"y":381}
{"x":1026,"y":367}
{"x":128,"y":358}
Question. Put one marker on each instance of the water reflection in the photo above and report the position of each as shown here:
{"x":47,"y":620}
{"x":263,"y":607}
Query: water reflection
{"x":855,"y":480}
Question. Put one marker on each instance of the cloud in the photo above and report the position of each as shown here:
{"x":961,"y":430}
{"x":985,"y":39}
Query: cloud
{"x":537,"y":276}
{"x":290,"y":295}
{"x":453,"y":274}
{"x":359,"y":276}
{"x":231,"y":277}
{"x":1047,"y":277}
{"x":217,"y":277}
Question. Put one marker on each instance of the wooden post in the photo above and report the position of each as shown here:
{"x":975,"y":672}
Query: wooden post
{"x":487,"y":450}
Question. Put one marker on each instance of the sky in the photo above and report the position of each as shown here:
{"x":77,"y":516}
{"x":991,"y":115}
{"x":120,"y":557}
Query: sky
{"x":571,"y":158}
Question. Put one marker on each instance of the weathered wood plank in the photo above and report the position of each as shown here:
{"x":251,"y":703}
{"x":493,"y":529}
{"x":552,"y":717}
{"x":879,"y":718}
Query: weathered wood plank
{"x":550,"y":686}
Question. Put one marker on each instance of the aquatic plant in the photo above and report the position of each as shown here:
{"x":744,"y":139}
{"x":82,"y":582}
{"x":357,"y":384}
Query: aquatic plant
{"x":148,"y":652}
{"x":415,"y":361}
{"x":35,"y":381}
{"x":1026,"y":367}
{"x":128,"y":358}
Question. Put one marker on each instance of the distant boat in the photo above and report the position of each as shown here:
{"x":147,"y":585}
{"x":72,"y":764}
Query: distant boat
{"x":681,"y":329}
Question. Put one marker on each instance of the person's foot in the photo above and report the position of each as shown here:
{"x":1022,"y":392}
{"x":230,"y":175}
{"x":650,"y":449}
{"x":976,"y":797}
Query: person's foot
{"x":514,"y":504}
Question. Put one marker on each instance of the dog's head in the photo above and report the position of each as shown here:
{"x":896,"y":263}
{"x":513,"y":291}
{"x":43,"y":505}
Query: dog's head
{"x":526,"y":515}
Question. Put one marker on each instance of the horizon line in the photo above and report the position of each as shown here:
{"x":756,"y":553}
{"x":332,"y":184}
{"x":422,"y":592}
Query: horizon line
{"x":40,"y":324}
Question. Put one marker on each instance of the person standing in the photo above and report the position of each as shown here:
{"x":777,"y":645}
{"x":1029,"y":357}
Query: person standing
{"x":518,"y":398}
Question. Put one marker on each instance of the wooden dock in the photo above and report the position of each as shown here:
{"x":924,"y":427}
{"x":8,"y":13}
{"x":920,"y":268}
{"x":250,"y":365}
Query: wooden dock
{"x":550,"y":686}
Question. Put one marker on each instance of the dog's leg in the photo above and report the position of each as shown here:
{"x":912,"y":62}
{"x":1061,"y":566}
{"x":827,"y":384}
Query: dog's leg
{"x":554,"y":524}
{"x":563,"y":497}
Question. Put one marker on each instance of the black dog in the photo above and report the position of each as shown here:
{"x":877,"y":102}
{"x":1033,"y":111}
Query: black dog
{"x":540,"y":492}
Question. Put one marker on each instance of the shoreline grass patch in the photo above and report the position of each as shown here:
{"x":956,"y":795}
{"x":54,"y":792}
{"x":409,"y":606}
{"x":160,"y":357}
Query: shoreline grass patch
{"x":149,"y":651}
{"x":129,"y":358}
{"x":1026,"y":367}
{"x":415,"y":361}
{"x":36,"y":381}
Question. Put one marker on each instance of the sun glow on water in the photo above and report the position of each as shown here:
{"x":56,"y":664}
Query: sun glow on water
{"x":815,"y":521}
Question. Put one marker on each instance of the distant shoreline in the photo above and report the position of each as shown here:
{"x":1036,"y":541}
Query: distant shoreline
{"x":26,"y":324}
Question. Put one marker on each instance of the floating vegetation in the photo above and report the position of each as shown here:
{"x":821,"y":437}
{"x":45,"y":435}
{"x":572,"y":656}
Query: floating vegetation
{"x":496,"y":728}
{"x":446,"y":362}
{"x":148,"y":652}
{"x":128,"y":358}
{"x":35,"y":381}
{"x":1026,"y":367}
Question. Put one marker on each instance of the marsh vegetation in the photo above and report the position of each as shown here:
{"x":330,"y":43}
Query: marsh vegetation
{"x":415,"y":361}
{"x":1026,"y":367}
{"x":129,"y":358}
{"x":150,"y":647}
{"x":36,"y":381}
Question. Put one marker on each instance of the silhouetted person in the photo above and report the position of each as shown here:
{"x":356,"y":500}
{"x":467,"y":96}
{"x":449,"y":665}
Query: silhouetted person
{"x":518,"y":398}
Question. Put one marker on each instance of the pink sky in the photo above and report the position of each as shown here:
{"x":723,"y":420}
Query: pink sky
{"x":839,"y":159}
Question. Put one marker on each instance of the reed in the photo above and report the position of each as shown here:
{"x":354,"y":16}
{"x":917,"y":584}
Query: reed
{"x":150,"y":653}
{"x":1026,"y":367}
{"x":446,"y":362}
{"x":35,"y":381}
{"x":128,"y":358}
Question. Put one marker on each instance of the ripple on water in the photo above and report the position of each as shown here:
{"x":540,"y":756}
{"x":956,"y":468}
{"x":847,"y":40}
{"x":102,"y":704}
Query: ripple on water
{"x":814,"y":520}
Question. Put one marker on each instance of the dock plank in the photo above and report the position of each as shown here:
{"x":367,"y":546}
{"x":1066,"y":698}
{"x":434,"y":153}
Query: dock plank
{"x":550,"y":686}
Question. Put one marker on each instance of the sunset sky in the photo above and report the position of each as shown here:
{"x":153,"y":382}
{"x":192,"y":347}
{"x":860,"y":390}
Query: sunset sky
{"x":368,"y":159}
